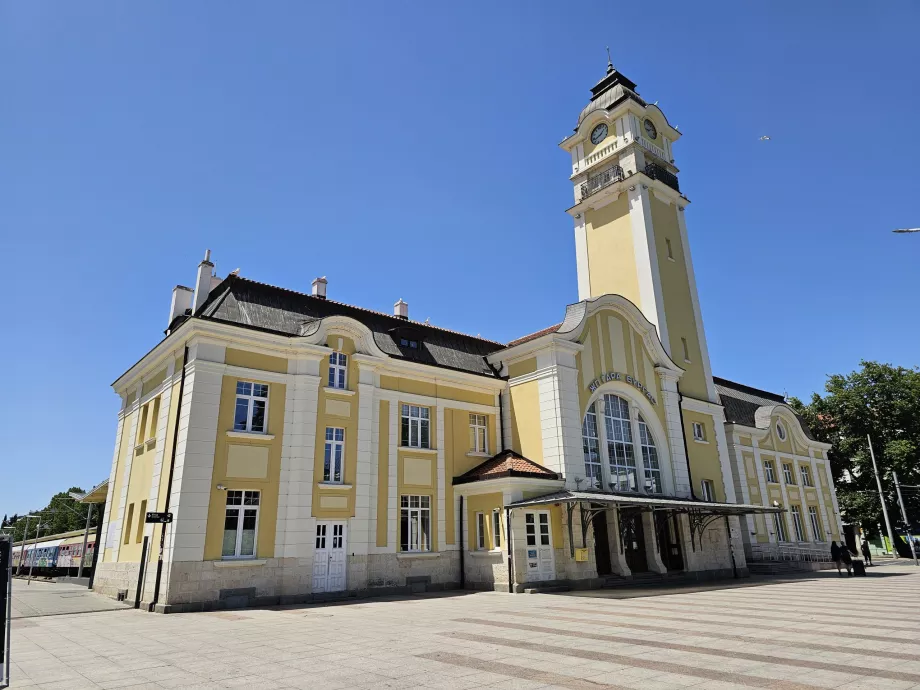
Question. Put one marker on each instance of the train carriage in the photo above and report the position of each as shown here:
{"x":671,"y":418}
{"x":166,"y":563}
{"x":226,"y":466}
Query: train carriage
{"x":58,"y":555}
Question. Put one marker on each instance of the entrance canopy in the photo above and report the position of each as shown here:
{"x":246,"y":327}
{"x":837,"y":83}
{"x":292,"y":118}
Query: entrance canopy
{"x":645,"y":501}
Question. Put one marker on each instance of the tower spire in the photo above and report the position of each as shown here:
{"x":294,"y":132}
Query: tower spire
{"x":610,"y":67}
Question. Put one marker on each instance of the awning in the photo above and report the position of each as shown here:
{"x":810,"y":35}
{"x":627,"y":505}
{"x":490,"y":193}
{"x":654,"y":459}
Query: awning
{"x":95,"y":495}
{"x":645,"y":501}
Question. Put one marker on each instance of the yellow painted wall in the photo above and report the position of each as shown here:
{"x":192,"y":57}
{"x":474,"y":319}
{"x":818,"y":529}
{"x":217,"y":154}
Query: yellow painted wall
{"x":151,"y":384}
{"x":457,"y":460}
{"x":139,"y":482}
{"x":415,"y":487}
{"x":675,"y":288}
{"x":268,"y":486}
{"x":484,"y":503}
{"x":526,"y":432}
{"x":745,"y":441}
{"x":328,"y":503}
{"x":525,"y":366}
{"x":126,"y":446}
{"x":704,"y":457}
{"x":406,"y":385}
{"x":255,"y":360}
{"x":167,"y":458}
{"x":611,"y":259}
{"x":383,"y":472}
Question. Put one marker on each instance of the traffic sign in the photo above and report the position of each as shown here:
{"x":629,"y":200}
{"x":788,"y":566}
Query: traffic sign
{"x":161,"y":518}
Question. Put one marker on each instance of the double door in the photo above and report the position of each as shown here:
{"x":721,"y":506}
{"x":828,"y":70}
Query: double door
{"x":541,"y":561}
{"x":329,"y":562}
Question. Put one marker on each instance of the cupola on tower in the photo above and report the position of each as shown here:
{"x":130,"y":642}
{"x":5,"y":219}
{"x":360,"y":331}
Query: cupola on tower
{"x":630,"y":234}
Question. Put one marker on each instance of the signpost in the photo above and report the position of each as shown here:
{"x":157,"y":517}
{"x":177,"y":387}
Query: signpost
{"x":6,"y":606}
{"x":159,"y":518}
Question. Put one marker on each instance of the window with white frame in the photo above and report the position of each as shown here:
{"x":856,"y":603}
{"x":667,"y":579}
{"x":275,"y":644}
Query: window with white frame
{"x":251,"y":407}
{"x":478,"y":434}
{"x":806,"y":475}
{"x":797,"y":523}
{"x":815,"y":524}
{"x":241,"y":522}
{"x":591,"y":446}
{"x":620,"y":452}
{"x":415,"y":426}
{"x":779,"y":523}
{"x":708,"y":488}
{"x":649,"y":459}
{"x":769,"y":471}
{"x":481,"y":531}
{"x":699,"y":432}
{"x":781,"y":431}
{"x":788,"y":474}
{"x":415,"y":523}
{"x":496,"y":528}
{"x":338,"y":370}
{"x":334,"y":459}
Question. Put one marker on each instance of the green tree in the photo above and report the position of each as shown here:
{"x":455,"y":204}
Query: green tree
{"x":62,"y":514}
{"x":883,"y":401}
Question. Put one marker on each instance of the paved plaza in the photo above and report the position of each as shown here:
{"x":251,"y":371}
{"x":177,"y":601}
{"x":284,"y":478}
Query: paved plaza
{"x":816,"y":631}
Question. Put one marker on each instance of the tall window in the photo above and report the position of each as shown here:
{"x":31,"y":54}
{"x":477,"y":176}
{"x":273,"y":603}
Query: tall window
{"x":481,"y":531}
{"x":620,"y":454}
{"x":788,"y":475}
{"x":591,"y":445}
{"x":780,"y":524}
{"x":338,"y":370}
{"x":649,"y":459}
{"x":797,"y":523}
{"x":334,"y":461}
{"x":496,"y":528}
{"x":478,"y":434}
{"x":415,"y":426}
{"x":806,"y":475}
{"x":769,"y":471}
{"x":240,"y":523}
{"x":709,"y":493}
{"x":699,"y":432}
{"x":251,"y":404}
{"x":415,"y":523}
{"x":815,"y":524}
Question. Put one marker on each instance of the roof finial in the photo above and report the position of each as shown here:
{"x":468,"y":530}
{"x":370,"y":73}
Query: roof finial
{"x":609,"y":61}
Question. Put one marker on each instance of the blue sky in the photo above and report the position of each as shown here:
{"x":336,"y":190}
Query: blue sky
{"x":410,"y":150}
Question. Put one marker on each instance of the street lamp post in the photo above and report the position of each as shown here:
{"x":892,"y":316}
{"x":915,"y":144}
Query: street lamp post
{"x":881,"y":496}
{"x":910,"y":540}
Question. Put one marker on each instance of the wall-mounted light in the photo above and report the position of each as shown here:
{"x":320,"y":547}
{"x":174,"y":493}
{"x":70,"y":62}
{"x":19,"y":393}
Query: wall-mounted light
{"x":578,"y":215}
{"x":221,"y":487}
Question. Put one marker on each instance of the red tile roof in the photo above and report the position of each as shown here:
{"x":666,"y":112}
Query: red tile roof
{"x":534,"y":336}
{"x":505,"y":464}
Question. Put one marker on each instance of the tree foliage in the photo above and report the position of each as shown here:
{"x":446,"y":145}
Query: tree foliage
{"x":62,"y":514}
{"x":881,"y":401}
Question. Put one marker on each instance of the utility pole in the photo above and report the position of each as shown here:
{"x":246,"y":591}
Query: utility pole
{"x":25,"y":538}
{"x":881,"y":497}
{"x":904,"y":516}
{"x":89,"y":517}
{"x":38,"y":531}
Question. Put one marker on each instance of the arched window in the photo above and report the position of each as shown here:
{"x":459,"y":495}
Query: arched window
{"x":620,"y":454}
{"x":649,"y":458}
{"x":591,"y":445}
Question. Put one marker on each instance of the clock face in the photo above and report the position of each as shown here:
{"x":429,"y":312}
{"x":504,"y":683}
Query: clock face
{"x":598,"y":134}
{"x":650,"y":129}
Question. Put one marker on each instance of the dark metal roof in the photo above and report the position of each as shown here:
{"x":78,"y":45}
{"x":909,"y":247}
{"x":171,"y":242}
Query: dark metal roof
{"x":610,"y":90}
{"x":251,"y":304}
{"x":742,"y":402}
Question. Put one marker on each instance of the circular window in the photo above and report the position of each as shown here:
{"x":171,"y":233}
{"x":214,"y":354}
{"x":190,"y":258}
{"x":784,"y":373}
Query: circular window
{"x":781,"y":431}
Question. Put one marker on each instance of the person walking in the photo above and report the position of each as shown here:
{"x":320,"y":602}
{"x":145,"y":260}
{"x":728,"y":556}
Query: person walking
{"x":865,"y":552}
{"x":847,"y":559}
{"x":841,"y":557}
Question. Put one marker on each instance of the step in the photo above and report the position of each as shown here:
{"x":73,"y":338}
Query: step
{"x":647,"y":580}
{"x":551,"y":589}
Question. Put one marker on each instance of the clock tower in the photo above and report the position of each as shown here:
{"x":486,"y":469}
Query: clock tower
{"x":630,"y":232}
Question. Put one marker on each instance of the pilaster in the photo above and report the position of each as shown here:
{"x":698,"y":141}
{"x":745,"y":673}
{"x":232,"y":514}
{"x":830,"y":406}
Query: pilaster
{"x":122,"y":498}
{"x":646,"y":256}
{"x":674,"y":430}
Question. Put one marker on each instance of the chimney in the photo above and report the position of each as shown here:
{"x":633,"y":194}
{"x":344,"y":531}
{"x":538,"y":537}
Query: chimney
{"x":203,"y":283}
{"x":181,"y":300}
{"x":319,"y":287}
{"x":401,"y":310}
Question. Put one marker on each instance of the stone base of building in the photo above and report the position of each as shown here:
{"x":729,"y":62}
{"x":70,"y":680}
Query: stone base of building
{"x":114,"y":578}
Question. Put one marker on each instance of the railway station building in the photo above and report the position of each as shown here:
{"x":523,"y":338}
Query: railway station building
{"x":306,"y":448}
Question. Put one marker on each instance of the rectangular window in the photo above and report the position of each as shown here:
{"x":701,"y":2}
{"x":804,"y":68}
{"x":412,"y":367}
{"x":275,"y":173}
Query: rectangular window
{"x":592,"y":450}
{"x":797,"y":523}
{"x":141,"y":520}
{"x":806,"y":476}
{"x":338,"y":370}
{"x":670,"y":252}
{"x":699,"y":432}
{"x":415,"y":523}
{"x":537,"y":533}
{"x":415,"y":426}
{"x":152,"y":431}
{"x":815,"y":524}
{"x":708,"y":488}
{"x":481,"y":531}
{"x":241,"y":521}
{"x":683,"y":341}
{"x":334,"y":460}
{"x":788,"y":475}
{"x":649,"y":459}
{"x":496,"y":529}
{"x":780,"y":524}
{"x":478,"y":434}
{"x":769,"y":471}
{"x":251,"y":407}
{"x":127,"y":530}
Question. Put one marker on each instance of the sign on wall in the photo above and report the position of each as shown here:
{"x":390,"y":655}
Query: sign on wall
{"x":617,"y":376}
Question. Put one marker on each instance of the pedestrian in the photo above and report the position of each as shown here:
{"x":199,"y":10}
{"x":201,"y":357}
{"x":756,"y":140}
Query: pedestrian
{"x":841,"y":557}
{"x":865,"y":552}
{"x":847,"y":559}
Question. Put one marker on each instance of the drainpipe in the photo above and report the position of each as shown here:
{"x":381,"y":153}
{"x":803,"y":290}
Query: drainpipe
{"x":462,"y":571}
{"x":683,"y":431}
{"x":510,"y":550}
{"x":169,"y":481}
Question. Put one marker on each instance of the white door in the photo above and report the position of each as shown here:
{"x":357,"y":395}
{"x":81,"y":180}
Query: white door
{"x":329,"y":557}
{"x":541,"y":564}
